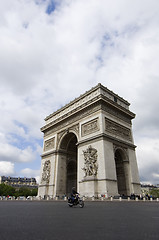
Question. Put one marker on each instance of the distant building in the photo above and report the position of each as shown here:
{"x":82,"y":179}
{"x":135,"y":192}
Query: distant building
{"x":18,"y":182}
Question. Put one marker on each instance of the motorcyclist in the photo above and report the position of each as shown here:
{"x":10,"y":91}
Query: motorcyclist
{"x":73,"y":194}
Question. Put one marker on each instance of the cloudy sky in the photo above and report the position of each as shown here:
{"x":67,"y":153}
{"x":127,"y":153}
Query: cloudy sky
{"x":53,"y":51}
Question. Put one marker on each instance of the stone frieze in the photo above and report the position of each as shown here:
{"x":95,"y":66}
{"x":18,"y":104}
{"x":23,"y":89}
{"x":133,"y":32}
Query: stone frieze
{"x":72,"y":119}
{"x":116,"y":113}
{"x":90,"y":127}
{"x":117,"y":129}
{"x":49,"y":144}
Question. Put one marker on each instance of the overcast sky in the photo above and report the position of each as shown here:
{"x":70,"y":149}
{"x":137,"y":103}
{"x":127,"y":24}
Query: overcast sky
{"x":53,"y":51}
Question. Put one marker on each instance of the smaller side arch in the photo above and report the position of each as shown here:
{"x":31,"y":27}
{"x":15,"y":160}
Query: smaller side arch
{"x":122,"y":170}
{"x":123,"y":152}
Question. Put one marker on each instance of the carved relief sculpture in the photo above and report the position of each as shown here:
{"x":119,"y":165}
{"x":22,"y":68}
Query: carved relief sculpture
{"x":49,"y":144}
{"x":118,"y":129}
{"x":46,"y":172}
{"x":90,"y":162}
{"x":90,"y":127}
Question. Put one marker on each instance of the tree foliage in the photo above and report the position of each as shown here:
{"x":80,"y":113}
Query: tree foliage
{"x":6,"y":190}
{"x":154,"y":192}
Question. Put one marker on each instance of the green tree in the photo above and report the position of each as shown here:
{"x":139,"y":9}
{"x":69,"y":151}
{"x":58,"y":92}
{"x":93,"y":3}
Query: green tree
{"x":24,"y":191}
{"x":154,"y":192}
{"x":34,"y":192}
{"x":6,"y":190}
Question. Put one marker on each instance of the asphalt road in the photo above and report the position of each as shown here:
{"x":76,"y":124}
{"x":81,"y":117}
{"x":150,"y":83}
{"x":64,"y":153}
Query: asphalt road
{"x":46,"y":220}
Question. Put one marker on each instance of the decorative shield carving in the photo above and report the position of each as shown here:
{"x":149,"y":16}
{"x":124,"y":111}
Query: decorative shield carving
{"x":46,"y":172}
{"x":90,"y":162}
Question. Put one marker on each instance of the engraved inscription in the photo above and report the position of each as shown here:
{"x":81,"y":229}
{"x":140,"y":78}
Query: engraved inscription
{"x":117,"y":129}
{"x":90,"y":127}
{"x":49,"y":144}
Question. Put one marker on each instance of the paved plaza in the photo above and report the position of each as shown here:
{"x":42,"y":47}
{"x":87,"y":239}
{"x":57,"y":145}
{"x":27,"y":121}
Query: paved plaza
{"x":51,"y":220}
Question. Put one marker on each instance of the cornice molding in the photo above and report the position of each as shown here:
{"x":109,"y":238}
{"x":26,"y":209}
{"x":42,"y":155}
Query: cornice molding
{"x":72,"y":118}
{"x":114,"y":140}
{"x":103,"y":102}
{"x":97,"y":180}
{"x":87,"y":98}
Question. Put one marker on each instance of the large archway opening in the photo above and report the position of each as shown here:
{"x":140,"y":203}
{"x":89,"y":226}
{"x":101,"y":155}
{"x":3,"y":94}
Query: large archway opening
{"x":121,"y":172}
{"x":69,"y":148}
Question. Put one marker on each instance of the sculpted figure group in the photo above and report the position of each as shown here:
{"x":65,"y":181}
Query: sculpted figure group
{"x":90,"y":162}
{"x":46,"y":172}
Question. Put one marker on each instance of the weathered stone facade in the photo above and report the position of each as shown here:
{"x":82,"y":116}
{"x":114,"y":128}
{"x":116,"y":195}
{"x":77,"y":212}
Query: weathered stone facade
{"x":89,"y":144}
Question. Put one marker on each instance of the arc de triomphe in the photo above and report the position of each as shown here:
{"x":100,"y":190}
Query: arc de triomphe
{"x":88,"y":144}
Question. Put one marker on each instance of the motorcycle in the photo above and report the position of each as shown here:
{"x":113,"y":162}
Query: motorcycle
{"x":77,"y":200}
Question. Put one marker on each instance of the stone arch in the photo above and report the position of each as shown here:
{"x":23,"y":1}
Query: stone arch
{"x":122,"y":171}
{"x":99,"y":118}
{"x":61,"y":135}
{"x":67,"y":163}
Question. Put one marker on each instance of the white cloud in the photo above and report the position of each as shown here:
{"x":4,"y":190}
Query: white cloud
{"x":148,"y":161}
{"x":156,"y":175}
{"x":48,"y":60}
{"x":27,"y":172}
{"x":11,"y":153}
{"x":6,"y":168}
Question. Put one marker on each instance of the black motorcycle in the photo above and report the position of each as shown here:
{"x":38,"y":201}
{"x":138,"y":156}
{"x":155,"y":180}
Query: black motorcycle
{"x":77,"y":200}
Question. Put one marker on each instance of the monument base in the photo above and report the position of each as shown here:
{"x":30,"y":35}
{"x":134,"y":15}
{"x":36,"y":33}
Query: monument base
{"x":89,"y":186}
